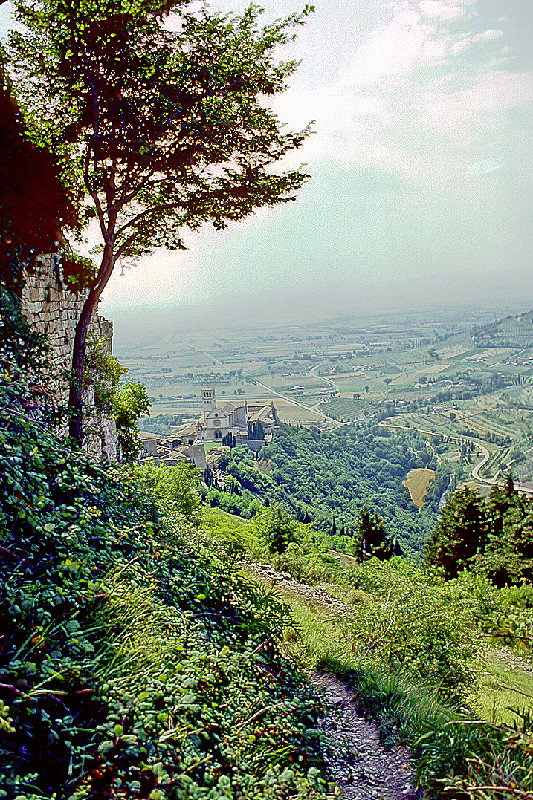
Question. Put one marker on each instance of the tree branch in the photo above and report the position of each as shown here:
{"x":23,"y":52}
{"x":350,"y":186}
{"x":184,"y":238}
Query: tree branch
{"x":94,"y":196}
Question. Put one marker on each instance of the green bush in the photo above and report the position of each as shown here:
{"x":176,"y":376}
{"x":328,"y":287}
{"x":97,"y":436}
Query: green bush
{"x":129,"y":401}
{"x":277,"y":528}
{"x":416,"y":625}
{"x":174,"y":488}
{"x":130,"y":664}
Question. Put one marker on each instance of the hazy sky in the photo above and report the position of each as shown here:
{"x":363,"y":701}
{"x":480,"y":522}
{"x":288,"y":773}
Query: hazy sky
{"x":420,"y":161}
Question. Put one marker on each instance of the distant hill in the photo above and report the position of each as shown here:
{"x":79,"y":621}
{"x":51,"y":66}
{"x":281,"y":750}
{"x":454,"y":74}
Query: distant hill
{"x":511,"y":331}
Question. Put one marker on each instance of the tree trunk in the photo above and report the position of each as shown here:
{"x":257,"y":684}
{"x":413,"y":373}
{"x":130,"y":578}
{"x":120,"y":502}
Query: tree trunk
{"x":75,"y":400}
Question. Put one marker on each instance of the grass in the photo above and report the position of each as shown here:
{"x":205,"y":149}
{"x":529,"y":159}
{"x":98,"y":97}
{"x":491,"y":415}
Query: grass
{"x":504,"y":690}
{"x":405,"y":651}
{"x":210,"y":445}
{"x":318,"y":637}
{"x":239,"y":531}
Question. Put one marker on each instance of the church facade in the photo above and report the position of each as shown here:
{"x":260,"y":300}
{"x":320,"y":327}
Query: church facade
{"x":235,"y":418}
{"x":218,"y":421}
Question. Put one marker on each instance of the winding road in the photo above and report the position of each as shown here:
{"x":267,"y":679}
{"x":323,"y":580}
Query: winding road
{"x":485,"y":455}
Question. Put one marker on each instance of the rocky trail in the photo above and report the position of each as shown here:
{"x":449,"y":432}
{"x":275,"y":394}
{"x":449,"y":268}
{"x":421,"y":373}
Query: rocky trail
{"x":360,"y":765}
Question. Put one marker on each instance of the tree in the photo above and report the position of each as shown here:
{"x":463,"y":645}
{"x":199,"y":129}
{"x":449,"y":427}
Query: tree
{"x":104,"y":371}
{"x":372,"y":539}
{"x":277,"y":528}
{"x":508,"y":555}
{"x":461,"y":534}
{"x":229,"y":440}
{"x":33,"y":203}
{"x":129,"y":402}
{"x":159,"y":116}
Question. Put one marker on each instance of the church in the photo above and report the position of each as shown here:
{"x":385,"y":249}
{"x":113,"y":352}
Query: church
{"x":246,"y":422}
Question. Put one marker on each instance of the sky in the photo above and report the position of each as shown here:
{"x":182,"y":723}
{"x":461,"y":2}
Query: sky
{"x":421,"y":165}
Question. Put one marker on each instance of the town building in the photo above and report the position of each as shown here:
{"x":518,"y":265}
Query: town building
{"x":247,"y":423}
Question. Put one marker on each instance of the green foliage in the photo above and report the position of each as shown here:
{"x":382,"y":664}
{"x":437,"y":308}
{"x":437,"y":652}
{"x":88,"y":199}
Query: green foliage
{"x":411,"y":650}
{"x":277,"y":528}
{"x":416,"y":625}
{"x":160,"y":424}
{"x":104,"y":371}
{"x":78,"y":271}
{"x":336,"y":473}
{"x":172,"y":488}
{"x":372,"y":539}
{"x":495,"y":538}
{"x":177,"y":114}
{"x":59,"y":522}
{"x":461,"y":533}
{"x":128,"y":403}
{"x":22,"y":349}
{"x":130,"y":663}
{"x":410,"y":654}
{"x":507,"y":615}
{"x":169,"y":105}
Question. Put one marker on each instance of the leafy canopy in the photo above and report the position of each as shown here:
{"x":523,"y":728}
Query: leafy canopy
{"x":161,"y":118}
{"x":157,"y":116}
{"x":129,"y":402}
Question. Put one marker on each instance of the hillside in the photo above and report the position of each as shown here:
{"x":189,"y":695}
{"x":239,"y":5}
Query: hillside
{"x":412,"y":648}
{"x":327,"y":477}
{"x":154,"y":648}
{"x":135,"y":662}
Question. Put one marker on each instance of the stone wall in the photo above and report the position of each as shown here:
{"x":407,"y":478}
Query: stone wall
{"x":54,"y":310}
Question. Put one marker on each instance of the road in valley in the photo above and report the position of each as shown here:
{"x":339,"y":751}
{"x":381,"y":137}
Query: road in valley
{"x":290,"y":400}
{"x":485,"y":455}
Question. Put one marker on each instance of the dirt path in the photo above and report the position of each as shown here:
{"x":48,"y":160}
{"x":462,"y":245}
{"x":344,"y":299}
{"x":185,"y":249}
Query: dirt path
{"x":359,"y":764}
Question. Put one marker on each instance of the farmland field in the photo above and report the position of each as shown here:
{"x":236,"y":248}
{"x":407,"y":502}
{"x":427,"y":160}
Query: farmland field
{"x":459,"y":378}
{"x":417,"y":483}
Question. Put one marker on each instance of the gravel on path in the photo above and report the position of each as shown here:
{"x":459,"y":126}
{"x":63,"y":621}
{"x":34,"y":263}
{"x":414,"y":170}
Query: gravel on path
{"x":359,"y":764}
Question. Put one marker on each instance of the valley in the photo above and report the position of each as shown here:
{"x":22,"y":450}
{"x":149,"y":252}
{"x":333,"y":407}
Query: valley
{"x":462,"y":380}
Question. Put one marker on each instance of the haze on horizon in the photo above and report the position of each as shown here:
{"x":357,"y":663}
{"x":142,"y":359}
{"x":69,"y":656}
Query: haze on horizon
{"x":421,"y":165}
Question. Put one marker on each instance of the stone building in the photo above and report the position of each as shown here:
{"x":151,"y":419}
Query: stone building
{"x":54,"y":311}
{"x":245,"y":422}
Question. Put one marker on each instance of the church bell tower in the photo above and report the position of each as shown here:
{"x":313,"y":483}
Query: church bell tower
{"x":209,"y":402}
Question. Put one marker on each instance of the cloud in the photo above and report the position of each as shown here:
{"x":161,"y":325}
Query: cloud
{"x":485,"y":167}
{"x":486,"y":36}
{"x":442,"y":10}
{"x":488,"y":94}
{"x":392,"y":50}
{"x":467,"y":40}
{"x":384,"y":107}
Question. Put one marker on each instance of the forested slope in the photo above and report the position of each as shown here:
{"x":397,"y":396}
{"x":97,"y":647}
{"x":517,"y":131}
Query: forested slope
{"x":324,"y":475}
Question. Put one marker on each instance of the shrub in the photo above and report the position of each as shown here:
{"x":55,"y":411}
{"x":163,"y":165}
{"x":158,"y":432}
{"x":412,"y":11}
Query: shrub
{"x":130,"y":665}
{"x":172,"y":488}
{"x":277,"y":528}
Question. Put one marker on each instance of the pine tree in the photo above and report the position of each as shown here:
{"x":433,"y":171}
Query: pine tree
{"x":372,"y":539}
{"x":461,"y":534}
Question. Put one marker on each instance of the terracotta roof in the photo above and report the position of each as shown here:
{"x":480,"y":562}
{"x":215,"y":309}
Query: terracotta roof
{"x":189,"y":429}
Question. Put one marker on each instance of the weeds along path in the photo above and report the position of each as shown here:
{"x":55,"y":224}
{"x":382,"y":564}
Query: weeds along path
{"x":360,"y":765}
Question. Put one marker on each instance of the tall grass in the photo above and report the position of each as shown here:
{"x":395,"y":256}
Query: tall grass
{"x":413,"y":650}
